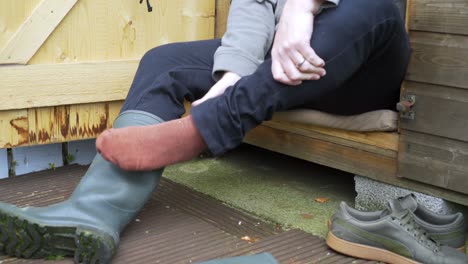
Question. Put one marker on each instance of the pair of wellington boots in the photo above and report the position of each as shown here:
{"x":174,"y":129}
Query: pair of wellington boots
{"x":87,"y":226}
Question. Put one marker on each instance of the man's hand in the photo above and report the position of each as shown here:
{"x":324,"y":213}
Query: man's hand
{"x":228,"y":79}
{"x":293,"y":59}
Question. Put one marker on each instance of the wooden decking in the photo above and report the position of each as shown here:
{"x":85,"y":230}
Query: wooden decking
{"x":178,"y":225}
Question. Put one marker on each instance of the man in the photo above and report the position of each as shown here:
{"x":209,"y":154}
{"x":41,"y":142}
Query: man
{"x":342,"y":57}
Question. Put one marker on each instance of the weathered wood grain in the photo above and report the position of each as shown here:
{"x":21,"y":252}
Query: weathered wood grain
{"x":56,"y":124}
{"x":434,"y":160}
{"x":439,"y":110}
{"x":334,"y":155}
{"x":222,"y":10}
{"x":34,"y":31}
{"x":14,"y":128}
{"x":65,"y":84}
{"x":439,"y":59}
{"x":13,"y":14}
{"x":448,"y":16}
{"x":381,"y":143}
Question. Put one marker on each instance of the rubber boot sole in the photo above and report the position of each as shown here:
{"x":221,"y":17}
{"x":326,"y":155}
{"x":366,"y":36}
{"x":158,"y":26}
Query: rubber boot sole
{"x":365,"y":252}
{"x":24,"y":239}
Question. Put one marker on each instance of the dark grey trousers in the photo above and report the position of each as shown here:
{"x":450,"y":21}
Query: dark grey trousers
{"x":363,"y":42}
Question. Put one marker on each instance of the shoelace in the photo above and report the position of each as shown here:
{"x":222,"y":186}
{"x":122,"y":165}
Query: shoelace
{"x":150,"y":8}
{"x":419,"y":234}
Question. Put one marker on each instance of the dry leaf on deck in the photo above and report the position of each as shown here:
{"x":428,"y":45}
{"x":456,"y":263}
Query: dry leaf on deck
{"x":307,"y":216}
{"x":249,"y":239}
{"x":322,"y":200}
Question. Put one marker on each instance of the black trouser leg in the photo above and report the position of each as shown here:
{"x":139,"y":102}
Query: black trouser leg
{"x":366,"y":50}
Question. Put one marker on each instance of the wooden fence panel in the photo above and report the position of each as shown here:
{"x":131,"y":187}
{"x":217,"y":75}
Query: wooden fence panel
{"x":439,"y":110}
{"x":448,"y":16}
{"x":434,"y":160}
{"x":439,"y":59}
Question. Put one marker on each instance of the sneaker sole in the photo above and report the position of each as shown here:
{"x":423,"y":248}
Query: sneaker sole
{"x":461,"y":249}
{"x":365,"y":252}
{"x":24,"y":239}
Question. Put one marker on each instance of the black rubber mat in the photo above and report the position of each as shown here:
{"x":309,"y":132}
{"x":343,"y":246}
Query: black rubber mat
{"x":178,"y":225}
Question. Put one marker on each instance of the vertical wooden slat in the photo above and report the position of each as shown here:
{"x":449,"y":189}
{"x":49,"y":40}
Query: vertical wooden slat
{"x":14,"y":128}
{"x":222,"y":10}
{"x":43,"y":126}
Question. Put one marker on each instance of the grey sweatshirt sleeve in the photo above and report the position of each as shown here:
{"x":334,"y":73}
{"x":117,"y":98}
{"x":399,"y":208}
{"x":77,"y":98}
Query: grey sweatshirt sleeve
{"x":249,"y":36}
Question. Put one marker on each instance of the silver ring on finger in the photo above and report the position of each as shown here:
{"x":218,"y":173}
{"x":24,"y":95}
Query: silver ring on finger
{"x":300,"y":64}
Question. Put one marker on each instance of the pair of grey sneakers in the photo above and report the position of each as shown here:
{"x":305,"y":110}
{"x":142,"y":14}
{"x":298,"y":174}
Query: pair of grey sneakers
{"x":405,"y":232}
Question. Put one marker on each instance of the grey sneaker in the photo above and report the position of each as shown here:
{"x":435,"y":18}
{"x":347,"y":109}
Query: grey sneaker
{"x":448,"y":230}
{"x":392,"y":238}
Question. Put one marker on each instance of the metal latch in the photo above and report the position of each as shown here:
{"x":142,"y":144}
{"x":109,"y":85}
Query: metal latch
{"x":405,"y":106}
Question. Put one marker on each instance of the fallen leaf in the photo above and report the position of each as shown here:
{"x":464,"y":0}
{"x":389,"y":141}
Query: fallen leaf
{"x":278,"y":227}
{"x":322,"y":200}
{"x":249,"y":239}
{"x":307,"y":216}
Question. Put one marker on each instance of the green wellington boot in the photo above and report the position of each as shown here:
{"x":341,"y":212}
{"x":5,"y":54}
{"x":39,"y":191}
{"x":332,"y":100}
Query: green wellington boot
{"x":88,"y":224}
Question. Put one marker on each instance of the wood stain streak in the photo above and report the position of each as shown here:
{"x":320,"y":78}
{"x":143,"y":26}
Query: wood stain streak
{"x":20,"y":124}
{"x":62,"y":115}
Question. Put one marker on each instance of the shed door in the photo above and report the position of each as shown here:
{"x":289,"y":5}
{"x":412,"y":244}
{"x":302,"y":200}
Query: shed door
{"x":434,"y":134}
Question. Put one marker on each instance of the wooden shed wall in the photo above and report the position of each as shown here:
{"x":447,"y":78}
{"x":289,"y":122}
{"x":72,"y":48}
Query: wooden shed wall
{"x":66,"y":66}
{"x":434,"y":146}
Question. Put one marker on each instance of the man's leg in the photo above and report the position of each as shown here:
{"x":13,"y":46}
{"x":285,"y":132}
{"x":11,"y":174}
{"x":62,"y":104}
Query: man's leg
{"x":366,"y":50}
{"x":88,"y":224}
{"x":356,"y":39}
{"x":169,"y":74}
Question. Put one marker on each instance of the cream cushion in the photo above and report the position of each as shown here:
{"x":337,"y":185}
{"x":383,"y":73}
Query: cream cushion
{"x":380,"y":120}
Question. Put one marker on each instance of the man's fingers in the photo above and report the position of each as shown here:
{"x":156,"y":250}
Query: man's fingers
{"x":306,"y":67}
{"x":315,"y":60}
{"x":279,"y":74}
{"x":312,"y":57}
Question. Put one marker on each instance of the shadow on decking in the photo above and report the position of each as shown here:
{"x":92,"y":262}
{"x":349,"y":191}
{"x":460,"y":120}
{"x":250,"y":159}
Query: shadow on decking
{"x":178,"y":225}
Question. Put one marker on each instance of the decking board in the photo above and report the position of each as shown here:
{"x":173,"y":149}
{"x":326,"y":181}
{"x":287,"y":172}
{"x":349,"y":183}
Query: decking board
{"x":177,"y":225}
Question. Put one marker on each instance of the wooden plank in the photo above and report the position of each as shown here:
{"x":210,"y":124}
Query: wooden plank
{"x":382,"y":143}
{"x":439,"y":110}
{"x":34,"y":31}
{"x":449,"y":16}
{"x":439,"y":59}
{"x":322,"y":152}
{"x":14,"y":128}
{"x":345,"y":158}
{"x":434,"y":160}
{"x":45,"y":124}
{"x":56,"y":124}
{"x":65,"y":84}
{"x":222,"y":11}
{"x":13,"y":14}
{"x":89,"y":120}
{"x":125,"y":30}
